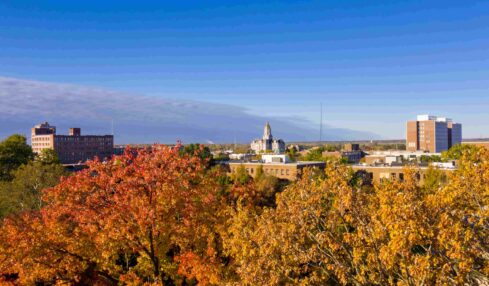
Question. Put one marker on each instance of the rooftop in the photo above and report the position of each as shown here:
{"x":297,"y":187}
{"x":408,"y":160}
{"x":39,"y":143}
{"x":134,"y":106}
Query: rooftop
{"x":300,"y":163}
{"x":427,"y":117}
{"x":395,"y":167}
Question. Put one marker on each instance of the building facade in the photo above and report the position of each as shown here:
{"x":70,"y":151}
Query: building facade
{"x":267,"y":144}
{"x":286,"y":171}
{"x":432,"y":134}
{"x":380,"y":174}
{"x":73,"y":148}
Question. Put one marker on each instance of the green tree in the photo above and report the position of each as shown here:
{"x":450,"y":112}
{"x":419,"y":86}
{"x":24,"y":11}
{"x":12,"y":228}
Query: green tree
{"x":292,"y":153}
{"x":201,"y":151}
{"x":25,"y":190}
{"x":434,"y":179}
{"x":259,"y":172}
{"x":430,"y":159}
{"x":48,"y":157}
{"x":241,"y":176}
{"x":268,"y":186}
{"x":14,"y":152}
{"x":456,"y":152}
{"x":331,"y":148}
{"x":315,"y":154}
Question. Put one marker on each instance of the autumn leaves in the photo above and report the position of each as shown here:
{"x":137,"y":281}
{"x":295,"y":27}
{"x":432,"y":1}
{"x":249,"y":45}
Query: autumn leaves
{"x":163,"y":217}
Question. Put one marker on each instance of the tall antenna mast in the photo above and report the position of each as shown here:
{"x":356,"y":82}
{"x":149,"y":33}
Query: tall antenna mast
{"x":321,"y":124}
{"x":112,"y":127}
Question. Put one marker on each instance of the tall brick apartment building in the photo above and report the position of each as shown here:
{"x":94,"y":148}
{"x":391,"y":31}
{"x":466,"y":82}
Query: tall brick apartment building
{"x":432,"y":134}
{"x":72,"y":148}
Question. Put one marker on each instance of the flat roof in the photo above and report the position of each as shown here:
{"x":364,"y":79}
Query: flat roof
{"x":399,"y":167}
{"x":300,"y":163}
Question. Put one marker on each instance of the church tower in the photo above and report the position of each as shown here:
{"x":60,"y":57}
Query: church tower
{"x":267,"y":132}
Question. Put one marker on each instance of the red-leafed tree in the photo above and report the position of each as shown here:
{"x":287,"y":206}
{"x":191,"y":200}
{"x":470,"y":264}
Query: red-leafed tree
{"x":145,"y":217}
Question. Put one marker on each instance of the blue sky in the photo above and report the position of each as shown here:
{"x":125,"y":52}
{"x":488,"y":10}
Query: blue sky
{"x":373,"y":64}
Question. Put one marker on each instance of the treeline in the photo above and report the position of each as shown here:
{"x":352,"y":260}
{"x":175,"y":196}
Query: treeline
{"x":161,"y":216}
{"x":24,"y":175}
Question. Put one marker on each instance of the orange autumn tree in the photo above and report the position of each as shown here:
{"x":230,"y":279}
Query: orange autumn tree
{"x":149,"y":216}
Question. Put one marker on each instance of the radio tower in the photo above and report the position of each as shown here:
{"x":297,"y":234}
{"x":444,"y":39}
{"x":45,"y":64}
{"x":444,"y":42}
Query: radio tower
{"x":321,"y":124}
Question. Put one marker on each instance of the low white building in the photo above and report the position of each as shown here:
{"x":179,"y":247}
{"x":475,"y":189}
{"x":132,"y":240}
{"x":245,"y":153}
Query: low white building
{"x":240,"y":156}
{"x":275,"y":158}
{"x":444,"y":165}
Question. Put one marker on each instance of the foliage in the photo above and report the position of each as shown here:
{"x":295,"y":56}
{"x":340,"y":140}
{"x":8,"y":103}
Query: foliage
{"x":315,"y":154}
{"x":14,"y":152}
{"x":332,"y":231}
{"x":24,"y":191}
{"x":434,"y":179}
{"x":165,"y":218}
{"x":429,"y":159}
{"x":268,"y":186}
{"x":457,"y":151}
{"x":146,"y":218}
{"x":241,"y":176}
{"x":48,"y":157}
{"x":293,"y":153}
{"x":331,"y":147}
{"x":201,"y":151}
{"x":221,"y":157}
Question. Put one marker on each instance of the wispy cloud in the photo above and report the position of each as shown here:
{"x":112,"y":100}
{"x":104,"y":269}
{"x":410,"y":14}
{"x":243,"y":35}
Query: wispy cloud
{"x":140,"y":118}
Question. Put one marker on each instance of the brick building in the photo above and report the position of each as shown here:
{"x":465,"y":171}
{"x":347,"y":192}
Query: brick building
{"x":72,"y":148}
{"x":276,"y":165}
{"x":432,"y":134}
{"x":379,"y":174}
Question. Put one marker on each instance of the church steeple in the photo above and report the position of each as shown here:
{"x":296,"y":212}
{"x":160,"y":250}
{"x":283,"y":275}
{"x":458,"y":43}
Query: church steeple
{"x":267,"y":132}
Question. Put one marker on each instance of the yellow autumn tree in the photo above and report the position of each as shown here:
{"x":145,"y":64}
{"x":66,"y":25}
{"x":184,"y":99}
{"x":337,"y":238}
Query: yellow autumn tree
{"x":301,"y":242}
{"x":461,"y":210}
{"x":331,"y":230}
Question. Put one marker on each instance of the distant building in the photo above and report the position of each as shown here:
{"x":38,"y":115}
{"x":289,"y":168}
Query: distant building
{"x":245,"y":157}
{"x":273,"y":158}
{"x":350,"y":152}
{"x":349,"y":147}
{"x":267,"y":143}
{"x":432,"y":134}
{"x":287,"y":171}
{"x":73,"y":148}
{"x":380,"y":174}
{"x":394,"y":157}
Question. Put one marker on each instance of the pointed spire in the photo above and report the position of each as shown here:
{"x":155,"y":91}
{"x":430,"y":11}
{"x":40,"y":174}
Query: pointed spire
{"x":267,"y":132}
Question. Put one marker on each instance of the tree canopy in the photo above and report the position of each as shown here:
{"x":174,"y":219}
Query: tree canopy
{"x":148,"y":217}
{"x":14,"y":152}
{"x":25,"y":190}
{"x":162,"y":217}
{"x":201,"y":151}
{"x":332,"y":231}
{"x":456,"y":152}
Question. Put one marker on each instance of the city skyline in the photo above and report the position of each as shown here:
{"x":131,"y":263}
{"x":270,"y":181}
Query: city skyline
{"x":373,"y":66}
